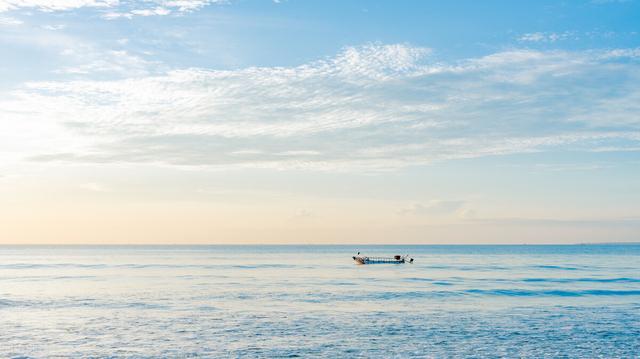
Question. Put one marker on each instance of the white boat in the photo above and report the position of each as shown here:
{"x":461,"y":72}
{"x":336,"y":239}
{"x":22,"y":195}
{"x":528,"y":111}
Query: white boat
{"x":397,"y":259}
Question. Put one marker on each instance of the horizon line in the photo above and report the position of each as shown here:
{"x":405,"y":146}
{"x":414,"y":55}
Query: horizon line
{"x":301,"y":244}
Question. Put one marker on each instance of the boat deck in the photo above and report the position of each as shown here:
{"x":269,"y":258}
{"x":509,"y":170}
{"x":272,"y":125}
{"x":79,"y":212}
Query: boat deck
{"x":376,"y":260}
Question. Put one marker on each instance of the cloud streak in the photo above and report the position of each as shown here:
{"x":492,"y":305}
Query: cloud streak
{"x":375,"y":107}
{"x":112,"y":9}
{"x":434,"y":207}
{"x":547,"y":36}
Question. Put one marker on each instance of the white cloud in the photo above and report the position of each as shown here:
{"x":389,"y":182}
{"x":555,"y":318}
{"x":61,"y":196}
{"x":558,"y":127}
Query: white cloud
{"x":547,"y":36}
{"x":304,"y":213}
{"x":94,"y":187}
{"x":112,"y":15}
{"x":114,"y":8}
{"x":246,"y":152}
{"x":55,"y":5}
{"x":161,"y":11}
{"x":10,"y":21}
{"x":54,"y":27}
{"x":299,"y":153}
{"x":374,"y":107}
{"x":91,"y":61}
{"x":433,"y":208}
{"x":633,"y":53}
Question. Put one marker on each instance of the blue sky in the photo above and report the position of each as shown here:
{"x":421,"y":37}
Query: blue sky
{"x":320,"y":121}
{"x":236,"y":34}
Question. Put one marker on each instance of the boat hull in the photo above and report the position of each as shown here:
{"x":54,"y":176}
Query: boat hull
{"x":377,"y":260}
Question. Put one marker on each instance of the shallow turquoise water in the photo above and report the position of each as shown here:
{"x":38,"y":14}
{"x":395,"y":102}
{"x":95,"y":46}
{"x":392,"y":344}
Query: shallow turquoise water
{"x":313,"y":301}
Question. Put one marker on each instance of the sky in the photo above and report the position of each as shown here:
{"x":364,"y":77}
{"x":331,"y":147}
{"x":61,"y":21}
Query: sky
{"x":338,"y":122}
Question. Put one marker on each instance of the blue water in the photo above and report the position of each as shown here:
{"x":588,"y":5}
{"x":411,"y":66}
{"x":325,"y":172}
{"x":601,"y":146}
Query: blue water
{"x":313,"y":301}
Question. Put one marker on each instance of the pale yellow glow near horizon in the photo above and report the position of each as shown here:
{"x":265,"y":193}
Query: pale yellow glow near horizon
{"x":56,"y":210}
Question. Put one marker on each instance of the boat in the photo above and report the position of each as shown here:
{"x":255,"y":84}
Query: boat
{"x":397,"y":259}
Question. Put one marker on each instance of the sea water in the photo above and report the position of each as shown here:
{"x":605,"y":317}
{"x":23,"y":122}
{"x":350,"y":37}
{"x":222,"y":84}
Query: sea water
{"x":577,"y":301}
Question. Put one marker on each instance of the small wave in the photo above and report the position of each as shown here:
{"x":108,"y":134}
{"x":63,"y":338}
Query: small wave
{"x":399,"y":295}
{"x":9,"y":303}
{"x":588,"y":280}
{"x":35,"y":278}
{"x":96,"y":303}
{"x":471,"y":292}
{"x":430,"y":280}
{"x":140,"y":266}
{"x":207,"y":308}
{"x":50,"y":265}
{"x":554,"y":267}
{"x":414,"y":279}
{"x":341,"y":283}
{"x":258,"y":266}
{"x":466,"y":268}
{"x":551,"y":293}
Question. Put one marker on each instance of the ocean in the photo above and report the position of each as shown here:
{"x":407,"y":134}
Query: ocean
{"x":572,"y":301}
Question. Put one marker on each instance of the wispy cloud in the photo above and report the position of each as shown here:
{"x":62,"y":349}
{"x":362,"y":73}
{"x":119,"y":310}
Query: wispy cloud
{"x":158,"y":11}
{"x":112,"y":8}
{"x":94,"y":187}
{"x":56,"y":27}
{"x":55,"y":5}
{"x":435,"y":207}
{"x":547,"y":36}
{"x":88,"y":60}
{"x":304,"y":213}
{"x":10,"y":21}
{"x":555,"y":38}
{"x":374,"y":107}
{"x":561,"y":167}
{"x":588,"y":222}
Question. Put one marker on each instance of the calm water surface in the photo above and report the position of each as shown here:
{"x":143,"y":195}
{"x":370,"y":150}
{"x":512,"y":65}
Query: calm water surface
{"x":312,"y":301}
